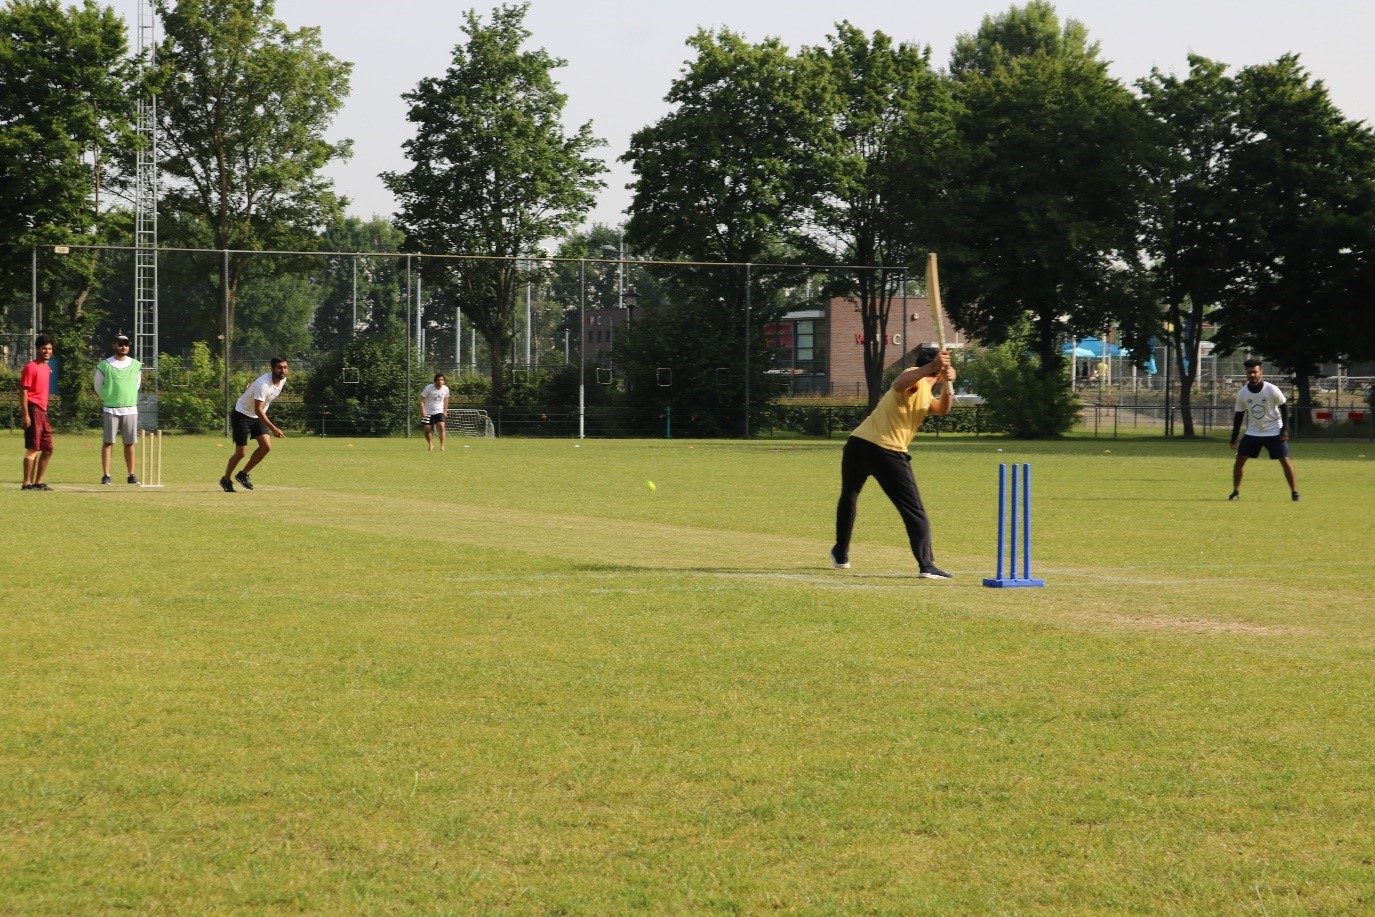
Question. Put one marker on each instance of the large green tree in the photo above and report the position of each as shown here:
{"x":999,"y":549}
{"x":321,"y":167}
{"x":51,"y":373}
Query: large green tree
{"x":1192,"y":214}
{"x":1304,"y":178}
{"x":243,"y":105}
{"x":1044,"y":216}
{"x":875,"y":168}
{"x":719,"y":179}
{"x":64,"y":106}
{"x":360,"y":293}
{"x":494,"y":173}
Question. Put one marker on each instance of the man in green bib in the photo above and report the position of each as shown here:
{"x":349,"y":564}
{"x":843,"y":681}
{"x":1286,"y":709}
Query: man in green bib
{"x":117,"y":381}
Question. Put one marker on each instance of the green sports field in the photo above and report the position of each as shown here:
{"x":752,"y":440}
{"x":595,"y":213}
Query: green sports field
{"x":511,"y":678}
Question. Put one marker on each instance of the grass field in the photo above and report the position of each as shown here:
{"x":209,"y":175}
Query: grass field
{"x":509,"y":678}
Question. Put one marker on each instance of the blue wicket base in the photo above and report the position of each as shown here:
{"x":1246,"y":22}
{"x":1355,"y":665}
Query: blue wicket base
{"x":1007,"y":535}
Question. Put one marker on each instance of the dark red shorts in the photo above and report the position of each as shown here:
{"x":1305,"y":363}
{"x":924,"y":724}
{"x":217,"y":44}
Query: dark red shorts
{"x":38,"y":435}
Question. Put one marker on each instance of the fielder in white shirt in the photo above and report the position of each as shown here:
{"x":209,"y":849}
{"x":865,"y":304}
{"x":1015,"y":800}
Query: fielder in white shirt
{"x":1266,"y":412}
{"x":434,"y":407}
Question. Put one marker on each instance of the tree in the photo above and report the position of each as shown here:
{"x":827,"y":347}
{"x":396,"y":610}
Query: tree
{"x":64,"y":105}
{"x":1044,"y":215}
{"x":1304,"y":177}
{"x":1193,"y":208}
{"x":362,"y":386}
{"x":719,"y":184}
{"x":884,"y":128}
{"x":494,"y":174}
{"x":360,"y":294}
{"x":243,"y":104}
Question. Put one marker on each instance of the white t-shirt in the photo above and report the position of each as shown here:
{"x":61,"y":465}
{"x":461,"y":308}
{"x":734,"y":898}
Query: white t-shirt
{"x":433,"y":399}
{"x":262,"y":389}
{"x":1262,"y":409}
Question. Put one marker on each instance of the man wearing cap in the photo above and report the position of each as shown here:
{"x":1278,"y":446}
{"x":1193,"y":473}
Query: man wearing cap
{"x":117,"y":382}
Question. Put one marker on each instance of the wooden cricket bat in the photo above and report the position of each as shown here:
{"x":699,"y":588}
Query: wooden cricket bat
{"x":933,"y":293}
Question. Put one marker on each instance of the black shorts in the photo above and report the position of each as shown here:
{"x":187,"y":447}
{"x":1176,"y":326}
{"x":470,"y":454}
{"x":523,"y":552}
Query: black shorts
{"x":1250,"y":446}
{"x":433,"y":419}
{"x":245,"y":428}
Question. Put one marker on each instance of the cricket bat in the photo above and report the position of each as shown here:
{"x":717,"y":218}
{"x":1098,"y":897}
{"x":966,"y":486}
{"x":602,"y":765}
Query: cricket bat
{"x":933,"y":294}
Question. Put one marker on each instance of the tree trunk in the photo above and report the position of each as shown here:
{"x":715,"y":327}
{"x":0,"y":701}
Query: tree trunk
{"x":1304,"y":411}
{"x":496,"y":346}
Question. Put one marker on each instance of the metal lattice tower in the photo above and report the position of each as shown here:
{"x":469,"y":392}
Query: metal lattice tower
{"x":146,"y":206}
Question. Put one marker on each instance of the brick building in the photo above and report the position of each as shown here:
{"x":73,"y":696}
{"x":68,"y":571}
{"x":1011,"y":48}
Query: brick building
{"x":821,"y":351}
{"x":817,"y":351}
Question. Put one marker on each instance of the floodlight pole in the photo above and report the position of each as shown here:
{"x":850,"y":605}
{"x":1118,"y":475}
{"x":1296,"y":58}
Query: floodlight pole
{"x":747,"y":350}
{"x":407,"y":348}
{"x":582,"y":348}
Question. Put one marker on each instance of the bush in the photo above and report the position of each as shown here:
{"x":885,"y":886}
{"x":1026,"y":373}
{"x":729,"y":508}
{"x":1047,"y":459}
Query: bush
{"x":191,"y":392}
{"x":1020,"y":396}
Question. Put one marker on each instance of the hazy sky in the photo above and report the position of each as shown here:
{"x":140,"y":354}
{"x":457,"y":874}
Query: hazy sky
{"x":623,"y":54}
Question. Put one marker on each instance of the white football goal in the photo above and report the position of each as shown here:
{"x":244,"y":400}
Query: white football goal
{"x":469,"y":422}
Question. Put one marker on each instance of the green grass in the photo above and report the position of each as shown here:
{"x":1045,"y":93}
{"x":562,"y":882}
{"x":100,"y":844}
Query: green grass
{"x":509,"y":678}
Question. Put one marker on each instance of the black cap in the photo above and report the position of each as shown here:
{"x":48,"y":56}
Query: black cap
{"x":121,"y":338}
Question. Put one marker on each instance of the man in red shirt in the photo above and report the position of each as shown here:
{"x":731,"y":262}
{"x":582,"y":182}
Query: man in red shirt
{"x":33,"y":413}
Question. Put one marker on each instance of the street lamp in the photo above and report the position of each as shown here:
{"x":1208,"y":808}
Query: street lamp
{"x":630,"y":299}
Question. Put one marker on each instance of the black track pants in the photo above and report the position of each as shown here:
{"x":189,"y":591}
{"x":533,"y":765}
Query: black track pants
{"x":893,"y":471}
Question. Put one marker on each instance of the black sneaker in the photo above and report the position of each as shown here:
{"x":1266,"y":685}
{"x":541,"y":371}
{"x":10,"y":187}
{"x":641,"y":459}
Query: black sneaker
{"x":1234,"y":496}
{"x":243,"y":478}
{"x":26,"y":487}
{"x":1294,"y":495}
{"x":133,"y":479}
{"x":40,"y":487}
{"x":105,"y":479}
{"x":933,"y":573}
{"x":840,"y":563}
{"x":227,"y":485}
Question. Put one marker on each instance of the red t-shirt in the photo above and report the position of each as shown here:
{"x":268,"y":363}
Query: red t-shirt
{"x":33,"y":380}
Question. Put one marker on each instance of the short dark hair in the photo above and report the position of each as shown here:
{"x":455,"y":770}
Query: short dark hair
{"x":926,"y":353}
{"x":438,"y":376}
{"x":278,"y":361}
{"x":41,"y":340}
{"x":1253,"y":362}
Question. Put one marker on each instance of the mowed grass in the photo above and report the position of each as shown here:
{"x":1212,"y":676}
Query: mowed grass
{"x":510,"y":678}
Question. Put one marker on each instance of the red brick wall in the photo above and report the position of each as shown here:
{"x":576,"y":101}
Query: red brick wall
{"x":846,"y":358}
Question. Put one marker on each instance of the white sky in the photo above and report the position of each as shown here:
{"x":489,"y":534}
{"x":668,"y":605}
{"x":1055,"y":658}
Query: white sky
{"x":623,"y":54}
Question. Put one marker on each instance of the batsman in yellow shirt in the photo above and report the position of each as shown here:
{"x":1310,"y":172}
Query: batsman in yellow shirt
{"x":878,"y":448}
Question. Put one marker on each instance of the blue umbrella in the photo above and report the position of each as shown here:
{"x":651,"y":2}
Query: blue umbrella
{"x":1080,"y":353}
{"x":1097,"y":348}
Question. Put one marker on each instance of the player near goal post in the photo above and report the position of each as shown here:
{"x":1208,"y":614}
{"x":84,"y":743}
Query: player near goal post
{"x":434,"y":407}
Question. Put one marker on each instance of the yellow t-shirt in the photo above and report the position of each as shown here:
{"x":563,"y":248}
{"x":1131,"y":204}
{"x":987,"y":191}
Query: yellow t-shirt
{"x":896,"y":417}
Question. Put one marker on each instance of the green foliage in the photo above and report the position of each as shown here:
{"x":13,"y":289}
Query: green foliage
{"x":371,"y":288}
{"x":378,"y":402}
{"x":77,"y":406}
{"x":493,"y":173}
{"x":244,"y":104}
{"x":1192,"y":207}
{"x":1304,"y":262}
{"x":64,"y":97}
{"x":1019,"y":396}
{"x":1044,"y":213}
{"x":883,"y":132}
{"x":191,"y":391}
{"x":717,"y":177}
